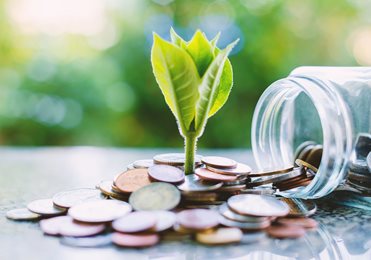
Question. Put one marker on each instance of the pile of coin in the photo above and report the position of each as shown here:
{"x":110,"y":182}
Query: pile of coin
{"x":153,"y":200}
{"x":359,"y":174}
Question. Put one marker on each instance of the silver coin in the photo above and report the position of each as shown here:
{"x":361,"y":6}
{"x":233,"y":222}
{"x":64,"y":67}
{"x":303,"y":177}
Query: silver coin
{"x":299,"y":207}
{"x":258,"y":205}
{"x":130,"y":166}
{"x":22,"y":214}
{"x":219,"y":162}
{"x":175,"y":159}
{"x":261,"y":190}
{"x":277,"y":178}
{"x":241,"y":169}
{"x":193,"y":183}
{"x":99,"y":211}
{"x":165,"y":220}
{"x":67,"y":199}
{"x":166,"y":173}
{"x":226,"y":212}
{"x":369,"y":162}
{"x":145,"y":163}
{"x":134,"y":222}
{"x":94,"y":241}
{"x":243,"y":225}
{"x":359,"y":166}
{"x":239,"y":181}
{"x":45,"y":207}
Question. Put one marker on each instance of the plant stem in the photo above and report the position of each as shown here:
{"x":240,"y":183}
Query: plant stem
{"x":190,"y":151}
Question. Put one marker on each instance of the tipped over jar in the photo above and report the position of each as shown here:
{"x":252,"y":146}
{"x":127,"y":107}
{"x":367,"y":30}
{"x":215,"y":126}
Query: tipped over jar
{"x":327,"y":109}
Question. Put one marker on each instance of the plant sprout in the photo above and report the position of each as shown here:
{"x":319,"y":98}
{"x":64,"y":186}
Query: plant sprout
{"x":195,"y":78}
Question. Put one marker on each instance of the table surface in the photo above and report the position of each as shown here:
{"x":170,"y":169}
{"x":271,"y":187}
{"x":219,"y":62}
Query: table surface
{"x":32,"y":173}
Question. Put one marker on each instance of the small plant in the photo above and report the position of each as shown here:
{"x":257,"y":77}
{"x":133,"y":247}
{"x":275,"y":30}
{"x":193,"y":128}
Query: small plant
{"x":195,"y":78}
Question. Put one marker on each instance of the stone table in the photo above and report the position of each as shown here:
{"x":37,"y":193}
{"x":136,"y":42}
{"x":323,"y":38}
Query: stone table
{"x":32,"y":173}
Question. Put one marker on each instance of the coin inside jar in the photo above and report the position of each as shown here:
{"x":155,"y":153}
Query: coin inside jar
{"x":192,"y":183}
{"x":198,"y":219}
{"x":166,"y":173}
{"x":306,"y":165}
{"x":135,"y":240}
{"x":299,"y":207}
{"x":258,"y":205}
{"x":156,"y":196}
{"x":67,"y":199}
{"x":45,"y":207}
{"x":135,"y":222}
{"x":219,"y":162}
{"x":206,"y":174}
{"x":220,"y":236}
{"x":132,"y":180}
{"x":241,"y":169}
{"x":301,"y":222}
{"x":283,"y":231}
{"x":99,"y":211}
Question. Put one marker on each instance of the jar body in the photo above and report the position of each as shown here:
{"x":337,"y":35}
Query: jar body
{"x":328,"y":105}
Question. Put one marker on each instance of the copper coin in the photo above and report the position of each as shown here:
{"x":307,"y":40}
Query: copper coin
{"x":226,"y":212}
{"x":192,"y":183}
{"x":219,"y":162}
{"x":156,"y":196}
{"x":241,"y":169}
{"x":206,"y":174}
{"x":67,"y":199}
{"x":302,"y":222}
{"x":283,"y":231}
{"x":135,"y":222}
{"x":221,"y":236}
{"x":132,"y":180}
{"x":45,"y":207}
{"x":306,"y":165}
{"x":270,"y":173}
{"x":106,"y":187}
{"x":99,"y":211}
{"x":198,"y":219}
{"x":143,"y":164}
{"x":258,"y":205}
{"x":244,"y":225}
{"x":294,"y":185}
{"x":303,"y":150}
{"x":166,"y":173}
{"x":22,"y":214}
{"x":135,"y":240}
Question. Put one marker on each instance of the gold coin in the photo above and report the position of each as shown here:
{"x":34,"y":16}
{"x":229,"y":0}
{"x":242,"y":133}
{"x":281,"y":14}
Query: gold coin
{"x":306,"y":165}
{"x":220,"y":236}
{"x":132,"y":180}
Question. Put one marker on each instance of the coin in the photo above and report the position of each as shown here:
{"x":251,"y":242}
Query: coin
{"x":99,"y":211}
{"x":205,"y":174}
{"x":359,"y":177}
{"x":174,"y":159}
{"x":135,"y":240}
{"x":306,"y":165}
{"x":301,"y":222}
{"x":232,"y":188}
{"x":241,"y":169}
{"x":283,"y":231}
{"x":143,"y":164}
{"x":94,"y":241}
{"x":294,"y":185}
{"x":359,"y":166}
{"x":66,"y":226}
{"x":257,"y":205}
{"x":244,"y":225}
{"x":130,"y":167}
{"x":303,"y":150}
{"x":135,"y":222}
{"x":67,"y":199}
{"x":45,"y":207}
{"x":132,"y":180}
{"x":155,"y":196}
{"x":220,"y":236}
{"x":166,"y":173}
{"x":219,"y":162}
{"x":259,"y":191}
{"x":363,"y":145}
{"x":200,"y":196}
{"x":226,"y":212}
{"x":299,"y":207}
{"x":270,"y":173}
{"x":369,"y":162}
{"x":193,"y":183}
{"x":164,"y":220}
{"x":22,"y":214}
{"x":314,"y":156}
{"x":197,"y":219}
{"x":106,"y":188}
{"x":296,"y":172}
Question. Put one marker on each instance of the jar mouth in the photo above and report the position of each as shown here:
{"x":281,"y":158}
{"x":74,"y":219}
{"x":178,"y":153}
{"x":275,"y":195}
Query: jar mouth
{"x":273,"y":132}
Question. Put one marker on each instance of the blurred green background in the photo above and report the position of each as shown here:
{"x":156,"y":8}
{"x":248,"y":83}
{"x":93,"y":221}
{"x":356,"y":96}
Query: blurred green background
{"x":77,"y":72}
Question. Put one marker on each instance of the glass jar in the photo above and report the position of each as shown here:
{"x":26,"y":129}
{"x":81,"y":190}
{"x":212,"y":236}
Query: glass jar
{"x":328,"y":105}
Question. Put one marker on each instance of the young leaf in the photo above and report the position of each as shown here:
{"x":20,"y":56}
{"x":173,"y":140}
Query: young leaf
{"x":201,"y":51}
{"x":208,"y":87}
{"x":177,"y":76}
{"x":176,"y":39}
{"x":214,"y":41}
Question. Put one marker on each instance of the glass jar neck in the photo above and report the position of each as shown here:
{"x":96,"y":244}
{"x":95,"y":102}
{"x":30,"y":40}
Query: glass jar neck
{"x":273,"y":131}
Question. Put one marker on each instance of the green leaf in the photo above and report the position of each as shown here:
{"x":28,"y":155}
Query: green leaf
{"x":177,"y":40}
{"x":214,"y":41}
{"x":177,"y":76}
{"x":223,"y":89}
{"x":209,"y":86}
{"x":201,"y":52}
